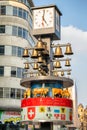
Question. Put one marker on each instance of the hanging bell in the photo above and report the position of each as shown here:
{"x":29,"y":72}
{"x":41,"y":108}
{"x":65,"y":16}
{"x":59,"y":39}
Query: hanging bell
{"x":68,"y":50}
{"x":35,"y":66}
{"x":58,"y":52}
{"x":55,"y":73}
{"x":31,"y":74}
{"x":39,"y":46}
{"x":37,"y":74}
{"x":68,"y":73}
{"x":67,"y":63}
{"x":39,"y":69}
{"x":34,"y":54}
{"x":62,"y":73}
{"x":57,"y":64}
{"x":40,"y":60}
{"x":25,"y":53}
{"x":26,"y":66}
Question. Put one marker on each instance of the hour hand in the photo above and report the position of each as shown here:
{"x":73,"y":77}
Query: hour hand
{"x":45,"y":21}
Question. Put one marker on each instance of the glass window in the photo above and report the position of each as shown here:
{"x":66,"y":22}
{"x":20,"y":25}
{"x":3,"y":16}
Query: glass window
{"x":2,"y":28}
{"x":25,"y":14}
{"x":24,"y":33}
{"x":18,"y":93}
{"x":6,"y":93}
{"x":2,"y":50}
{"x":23,"y":93}
{"x":13,"y":71}
{"x":19,"y":32}
{"x":19,"y":72}
{"x":14,"y":50}
{"x":30,"y":21}
{"x":15,"y":11}
{"x":14,"y":31}
{"x":20,"y":12}
{"x":1,"y":92}
{"x":19,"y":51}
{"x":12,"y":93}
{"x":3,"y":10}
{"x":1,"y":70}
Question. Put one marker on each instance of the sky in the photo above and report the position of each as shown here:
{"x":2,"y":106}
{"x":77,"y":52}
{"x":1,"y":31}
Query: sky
{"x":74,"y":31}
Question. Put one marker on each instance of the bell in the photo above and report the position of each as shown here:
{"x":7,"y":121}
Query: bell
{"x":58,"y":52}
{"x":68,"y":73}
{"x":26,"y":66}
{"x":31,"y":74}
{"x":57,"y":64}
{"x":62,"y":73}
{"x":35,"y":66}
{"x":34,"y":54}
{"x":39,"y":69}
{"x":39,"y":46}
{"x":68,"y":50}
{"x":40,"y":60}
{"x":67,"y":63}
{"x":37,"y":74}
{"x":25,"y":53}
{"x":55,"y":73}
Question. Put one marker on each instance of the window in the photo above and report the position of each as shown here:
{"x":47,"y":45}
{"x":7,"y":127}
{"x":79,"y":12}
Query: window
{"x":24,"y":33}
{"x":20,"y":12}
{"x":12,"y":93}
{"x":14,"y":52}
{"x":22,"y":93}
{"x":1,"y":70}
{"x":15,"y":11}
{"x":2,"y":28}
{"x":2,"y":49}
{"x":6,"y":92}
{"x":19,"y":32}
{"x":19,"y":52}
{"x":14,"y":31}
{"x":25,"y":14}
{"x":18,"y":94}
{"x":2,"y":10}
{"x":30,"y":21}
{"x":1,"y":92}
{"x":19,"y":72}
{"x":13,"y":71}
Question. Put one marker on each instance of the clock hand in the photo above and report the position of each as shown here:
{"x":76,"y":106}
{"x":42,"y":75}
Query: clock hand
{"x":43,"y":19}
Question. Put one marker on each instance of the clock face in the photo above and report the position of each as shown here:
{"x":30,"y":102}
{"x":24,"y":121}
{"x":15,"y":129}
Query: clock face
{"x":43,"y":18}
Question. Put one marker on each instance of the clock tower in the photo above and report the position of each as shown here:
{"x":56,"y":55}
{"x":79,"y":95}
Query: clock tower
{"x":46,"y":22}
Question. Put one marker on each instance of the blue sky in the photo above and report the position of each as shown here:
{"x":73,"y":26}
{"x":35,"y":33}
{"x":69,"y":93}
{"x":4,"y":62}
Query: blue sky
{"x":74,"y":30}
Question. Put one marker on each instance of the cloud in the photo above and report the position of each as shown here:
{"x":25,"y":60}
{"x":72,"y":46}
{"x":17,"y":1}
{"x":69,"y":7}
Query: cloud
{"x":76,"y":37}
{"x":78,"y":40}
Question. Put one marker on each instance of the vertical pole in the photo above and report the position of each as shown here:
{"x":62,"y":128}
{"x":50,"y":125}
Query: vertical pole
{"x":50,"y":64}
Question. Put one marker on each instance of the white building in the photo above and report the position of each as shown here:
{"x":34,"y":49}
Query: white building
{"x":15,"y":35}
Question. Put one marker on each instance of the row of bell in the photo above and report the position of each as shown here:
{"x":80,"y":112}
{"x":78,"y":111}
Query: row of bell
{"x":57,"y":64}
{"x":43,"y":46}
{"x":58,"y":51}
{"x":62,"y":73}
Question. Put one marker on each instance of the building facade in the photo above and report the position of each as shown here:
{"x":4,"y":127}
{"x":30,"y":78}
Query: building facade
{"x":15,"y":35}
{"x":82,"y":117}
